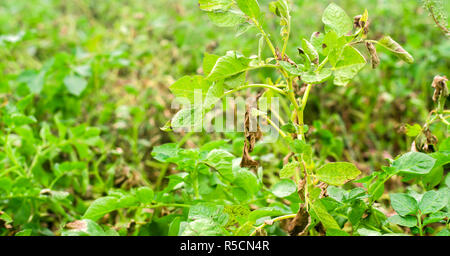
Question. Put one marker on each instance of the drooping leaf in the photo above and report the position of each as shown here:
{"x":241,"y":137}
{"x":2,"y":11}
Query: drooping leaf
{"x":403,"y":204}
{"x":389,"y":43}
{"x":337,"y":173}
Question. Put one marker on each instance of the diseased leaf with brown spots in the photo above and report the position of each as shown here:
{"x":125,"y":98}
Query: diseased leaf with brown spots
{"x":389,"y":43}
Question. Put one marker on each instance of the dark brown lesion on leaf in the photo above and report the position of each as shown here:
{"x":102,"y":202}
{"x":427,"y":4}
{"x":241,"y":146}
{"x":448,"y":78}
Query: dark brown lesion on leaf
{"x":440,"y":87}
{"x":251,"y":137}
{"x":299,"y":225}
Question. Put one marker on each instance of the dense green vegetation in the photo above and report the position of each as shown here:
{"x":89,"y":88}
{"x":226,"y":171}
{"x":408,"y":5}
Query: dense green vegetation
{"x":90,"y":141}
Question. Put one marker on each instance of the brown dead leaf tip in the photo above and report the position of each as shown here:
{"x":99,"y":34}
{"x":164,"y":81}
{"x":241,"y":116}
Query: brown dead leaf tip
{"x":299,"y":225}
{"x":251,"y":137}
{"x":440,"y":87}
{"x":77,"y":225}
{"x":358,"y":23}
{"x":373,"y":54}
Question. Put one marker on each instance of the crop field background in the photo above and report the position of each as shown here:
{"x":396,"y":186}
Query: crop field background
{"x":84,"y":93}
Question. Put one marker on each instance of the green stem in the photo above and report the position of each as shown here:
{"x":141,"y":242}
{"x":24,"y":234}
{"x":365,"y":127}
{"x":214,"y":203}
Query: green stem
{"x":301,"y":110}
{"x":255,"y":85}
{"x":275,"y":126}
{"x":419,"y":221}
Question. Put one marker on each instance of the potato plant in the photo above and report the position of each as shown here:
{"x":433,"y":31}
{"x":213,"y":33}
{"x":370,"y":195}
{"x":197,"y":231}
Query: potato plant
{"x":74,"y":164}
{"x":313,"y":189}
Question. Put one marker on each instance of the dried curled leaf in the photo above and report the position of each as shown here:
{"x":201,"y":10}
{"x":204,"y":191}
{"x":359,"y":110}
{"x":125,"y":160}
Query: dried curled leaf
{"x":440,"y":87}
{"x":361,"y":21}
{"x":373,"y":54}
{"x":299,"y":225}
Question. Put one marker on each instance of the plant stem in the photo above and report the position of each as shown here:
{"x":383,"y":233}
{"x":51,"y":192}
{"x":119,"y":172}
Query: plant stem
{"x":301,"y":110}
{"x":275,"y":126}
{"x":270,"y":222}
{"x":278,"y":90}
{"x":419,"y":221}
{"x":269,"y":43}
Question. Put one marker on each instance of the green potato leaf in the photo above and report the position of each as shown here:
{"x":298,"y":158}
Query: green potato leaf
{"x":337,"y":173}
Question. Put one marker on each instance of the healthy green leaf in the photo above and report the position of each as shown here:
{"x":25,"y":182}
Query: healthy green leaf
{"x":347,"y":68}
{"x":414,"y":163}
{"x":284,"y":188}
{"x":406,"y":221}
{"x":337,"y":173}
{"x":229,"y":65}
{"x":433,"y":201}
{"x":404,"y":204}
